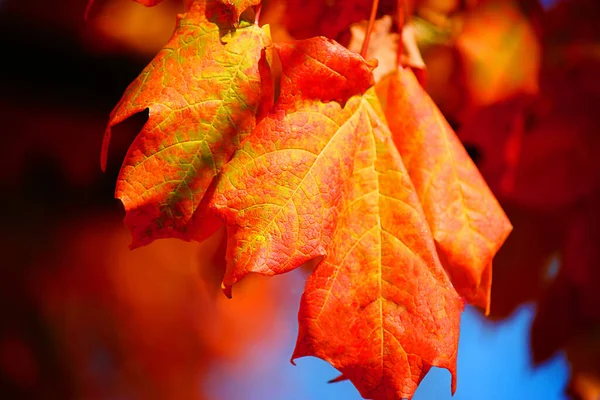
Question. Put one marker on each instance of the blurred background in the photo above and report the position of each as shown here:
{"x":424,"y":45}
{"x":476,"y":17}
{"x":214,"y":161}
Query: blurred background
{"x":83,"y":317}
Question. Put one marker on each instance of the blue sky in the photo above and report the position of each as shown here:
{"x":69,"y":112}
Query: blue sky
{"x":494,"y":362}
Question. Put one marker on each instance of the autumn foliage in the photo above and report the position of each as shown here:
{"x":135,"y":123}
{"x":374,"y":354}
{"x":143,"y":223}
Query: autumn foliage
{"x":384,"y":201}
{"x":369,"y":148}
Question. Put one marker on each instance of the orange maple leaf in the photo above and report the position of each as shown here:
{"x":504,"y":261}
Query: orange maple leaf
{"x":204,"y":91}
{"x":467,"y":222}
{"x":321,"y":177}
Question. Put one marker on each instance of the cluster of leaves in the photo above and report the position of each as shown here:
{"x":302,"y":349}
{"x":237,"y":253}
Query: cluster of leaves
{"x":529,"y":112}
{"x":364,"y":180}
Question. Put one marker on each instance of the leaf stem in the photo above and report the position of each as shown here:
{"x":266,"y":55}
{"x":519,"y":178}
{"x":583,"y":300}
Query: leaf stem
{"x":365,"y":45}
{"x":401,"y":15}
{"x":401,"y":20}
{"x":257,"y":14}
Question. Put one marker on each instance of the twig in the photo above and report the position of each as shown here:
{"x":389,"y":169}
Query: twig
{"x":365,"y":46}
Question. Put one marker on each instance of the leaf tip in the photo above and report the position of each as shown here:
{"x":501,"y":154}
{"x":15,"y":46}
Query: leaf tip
{"x":337,"y":379}
{"x":226,"y":290}
{"x":453,"y":384}
{"x":372,"y":63}
{"x":486,"y":310}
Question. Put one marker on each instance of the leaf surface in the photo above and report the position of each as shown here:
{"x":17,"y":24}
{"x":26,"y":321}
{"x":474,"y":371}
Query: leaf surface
{"x":203,"y":91}
{"x":280,"y":194}
{"x":467,"y":222}
{"x":381,"y":281}
{"x":320,"y":177}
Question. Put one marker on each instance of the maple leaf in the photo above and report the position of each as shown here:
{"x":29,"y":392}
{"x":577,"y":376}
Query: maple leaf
{"x":320,"y":178}
{"x":382,"y":281}
{"x":467,"y":222}
{"x":204,"y":91}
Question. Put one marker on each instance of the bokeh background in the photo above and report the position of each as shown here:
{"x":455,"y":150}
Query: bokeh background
{"x":83,"y":317}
